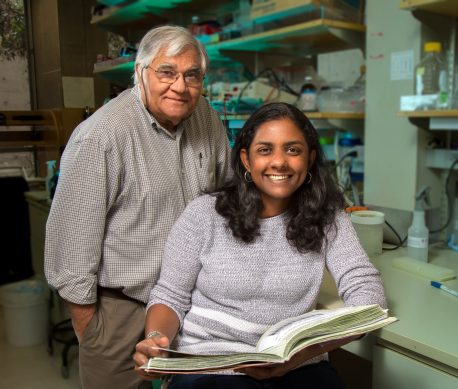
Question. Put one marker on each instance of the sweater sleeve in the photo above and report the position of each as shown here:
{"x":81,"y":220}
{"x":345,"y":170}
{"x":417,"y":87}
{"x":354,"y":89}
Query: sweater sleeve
{"x":181,"y":263}
{"x":357,"y":279}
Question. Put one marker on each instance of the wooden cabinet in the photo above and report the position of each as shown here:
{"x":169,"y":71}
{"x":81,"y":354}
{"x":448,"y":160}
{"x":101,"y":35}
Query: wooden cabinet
{"x":42,"y":132}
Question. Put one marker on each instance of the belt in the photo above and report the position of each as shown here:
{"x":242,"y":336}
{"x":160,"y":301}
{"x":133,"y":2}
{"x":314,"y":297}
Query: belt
{"x":115,"y":294}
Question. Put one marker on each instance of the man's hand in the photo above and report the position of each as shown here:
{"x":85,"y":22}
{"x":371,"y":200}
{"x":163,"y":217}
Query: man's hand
{"x":146,"y":349}
{"x":280,"y":369}
{"x":81,"y":316}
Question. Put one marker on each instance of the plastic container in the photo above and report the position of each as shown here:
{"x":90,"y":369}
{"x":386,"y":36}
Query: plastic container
{"x":431,"y":74}
{"x":308,"y":95}
{"x":25,"y":309}
{"x":369,"y":228}
{"x":418,"y":237}
{"x":355,"y":100}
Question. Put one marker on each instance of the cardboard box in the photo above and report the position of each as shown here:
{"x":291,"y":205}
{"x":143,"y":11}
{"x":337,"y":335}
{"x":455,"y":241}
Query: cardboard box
{"x":268,"y":10}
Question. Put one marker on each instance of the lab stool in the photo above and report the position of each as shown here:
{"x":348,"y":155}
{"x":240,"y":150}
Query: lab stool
{"x":62,"y":332}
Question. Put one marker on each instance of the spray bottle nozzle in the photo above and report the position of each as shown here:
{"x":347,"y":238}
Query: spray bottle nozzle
{"x":51,"y":164}
{"x":422,"y":198}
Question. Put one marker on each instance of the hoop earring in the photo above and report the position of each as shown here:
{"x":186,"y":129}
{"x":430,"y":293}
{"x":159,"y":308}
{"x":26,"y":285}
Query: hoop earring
{"x":247,"y":176}
{"x":310,"y":178}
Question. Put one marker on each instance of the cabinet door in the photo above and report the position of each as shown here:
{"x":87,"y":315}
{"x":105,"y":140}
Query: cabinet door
{"x":397,"y":371}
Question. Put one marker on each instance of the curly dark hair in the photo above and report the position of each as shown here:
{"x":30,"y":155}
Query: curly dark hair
{"x":311,"y":211}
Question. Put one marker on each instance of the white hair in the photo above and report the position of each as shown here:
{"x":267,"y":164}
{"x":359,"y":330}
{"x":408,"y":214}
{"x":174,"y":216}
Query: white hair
{"x":174,"y":40}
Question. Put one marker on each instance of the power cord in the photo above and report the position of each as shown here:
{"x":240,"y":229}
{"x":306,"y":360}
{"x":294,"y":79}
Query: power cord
{"x":449,"y":199}
{"x":401,"y":241}
{"x":278,"y":83}
{"x":449,"y":218}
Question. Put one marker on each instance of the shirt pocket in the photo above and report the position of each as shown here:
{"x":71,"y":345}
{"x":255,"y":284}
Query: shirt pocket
{"x":207,"y":171}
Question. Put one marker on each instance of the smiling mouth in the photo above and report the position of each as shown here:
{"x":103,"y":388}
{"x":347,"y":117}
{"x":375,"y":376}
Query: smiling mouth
{"x":278,"y":177}
{"x":177,"y":100}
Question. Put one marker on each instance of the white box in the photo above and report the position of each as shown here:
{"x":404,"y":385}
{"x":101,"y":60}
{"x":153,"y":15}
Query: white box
{"x":418,"y":102}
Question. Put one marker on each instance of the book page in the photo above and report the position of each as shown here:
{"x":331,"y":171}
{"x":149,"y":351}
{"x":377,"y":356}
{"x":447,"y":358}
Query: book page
{"x":209,"y":362}
{"x":281,"y":332}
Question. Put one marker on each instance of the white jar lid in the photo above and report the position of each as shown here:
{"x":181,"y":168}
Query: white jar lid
{"x":367,"y":217}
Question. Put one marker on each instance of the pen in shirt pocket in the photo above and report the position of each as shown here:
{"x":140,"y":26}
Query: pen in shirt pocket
{"x":200,"y":160}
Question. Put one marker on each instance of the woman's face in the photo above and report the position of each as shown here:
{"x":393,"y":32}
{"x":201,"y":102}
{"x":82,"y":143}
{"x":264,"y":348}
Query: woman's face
{"x":278,"y":160}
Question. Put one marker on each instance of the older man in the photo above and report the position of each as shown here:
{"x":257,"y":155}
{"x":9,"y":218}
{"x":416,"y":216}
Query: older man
{"x":126,"y":174}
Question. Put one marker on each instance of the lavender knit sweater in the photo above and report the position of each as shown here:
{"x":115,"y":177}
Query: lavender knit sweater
{"x":226,"y":292}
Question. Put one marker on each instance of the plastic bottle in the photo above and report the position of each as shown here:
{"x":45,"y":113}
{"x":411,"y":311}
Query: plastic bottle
{"x":418,"y":233}
{"x":195,"y":27}
{"x":50,"y":166}
{"x":356,"y":93}
{"x":308,"y":95}
{"x":431,"y":74}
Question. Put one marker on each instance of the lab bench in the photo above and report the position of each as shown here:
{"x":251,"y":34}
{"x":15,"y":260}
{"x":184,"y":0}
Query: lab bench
{"x":420,"y":350}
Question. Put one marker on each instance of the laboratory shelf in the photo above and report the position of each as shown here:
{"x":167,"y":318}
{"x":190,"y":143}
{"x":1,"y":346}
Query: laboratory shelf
{"x":427,"y":114}
{"x":144,"y":14}
{"x":335,"y":115}
{"x":119,"y":70}
{"x":434,"y":119}
{"x":117,"y":16}
{"x":311,"y":115}
{"x":443,"y":7}
{"x":311,"y":37}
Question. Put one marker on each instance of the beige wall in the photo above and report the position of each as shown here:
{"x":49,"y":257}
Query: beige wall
{"x":391,"y":152}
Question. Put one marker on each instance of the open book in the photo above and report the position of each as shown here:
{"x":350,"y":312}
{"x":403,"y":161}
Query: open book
{"x":282,"y":340}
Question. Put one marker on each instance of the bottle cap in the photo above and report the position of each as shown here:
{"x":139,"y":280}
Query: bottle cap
{"x":432,"y":47}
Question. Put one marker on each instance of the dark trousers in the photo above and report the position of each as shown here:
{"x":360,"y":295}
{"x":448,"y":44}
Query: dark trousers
{"x":314,"y":376}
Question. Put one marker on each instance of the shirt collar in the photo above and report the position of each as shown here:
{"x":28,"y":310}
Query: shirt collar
{"x":155,"y":125}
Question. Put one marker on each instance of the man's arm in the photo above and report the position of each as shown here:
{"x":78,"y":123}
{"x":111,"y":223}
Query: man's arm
{"x":76,"y":224}
{"x":81,"y":316}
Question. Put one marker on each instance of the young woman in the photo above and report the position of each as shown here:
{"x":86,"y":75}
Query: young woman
{"x":254,"y":253}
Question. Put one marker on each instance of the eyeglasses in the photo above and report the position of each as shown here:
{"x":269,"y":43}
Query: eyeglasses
{"x":192,"y":78}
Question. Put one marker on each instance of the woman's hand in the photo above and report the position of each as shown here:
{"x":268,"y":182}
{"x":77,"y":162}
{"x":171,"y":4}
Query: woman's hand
{"x":280,"y":369}
{"x":148,"y":348}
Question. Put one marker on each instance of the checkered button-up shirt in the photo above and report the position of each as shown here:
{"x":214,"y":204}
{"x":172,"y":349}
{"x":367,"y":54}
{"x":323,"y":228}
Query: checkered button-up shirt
{"x":124,"y":180}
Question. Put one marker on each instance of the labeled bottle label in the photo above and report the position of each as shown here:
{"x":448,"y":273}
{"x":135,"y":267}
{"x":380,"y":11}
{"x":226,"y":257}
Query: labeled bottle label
{"x":414,"y":241}
{"x":308,"y":100}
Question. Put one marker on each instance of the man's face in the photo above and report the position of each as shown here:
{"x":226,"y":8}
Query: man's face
{"x":170,"y":99}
